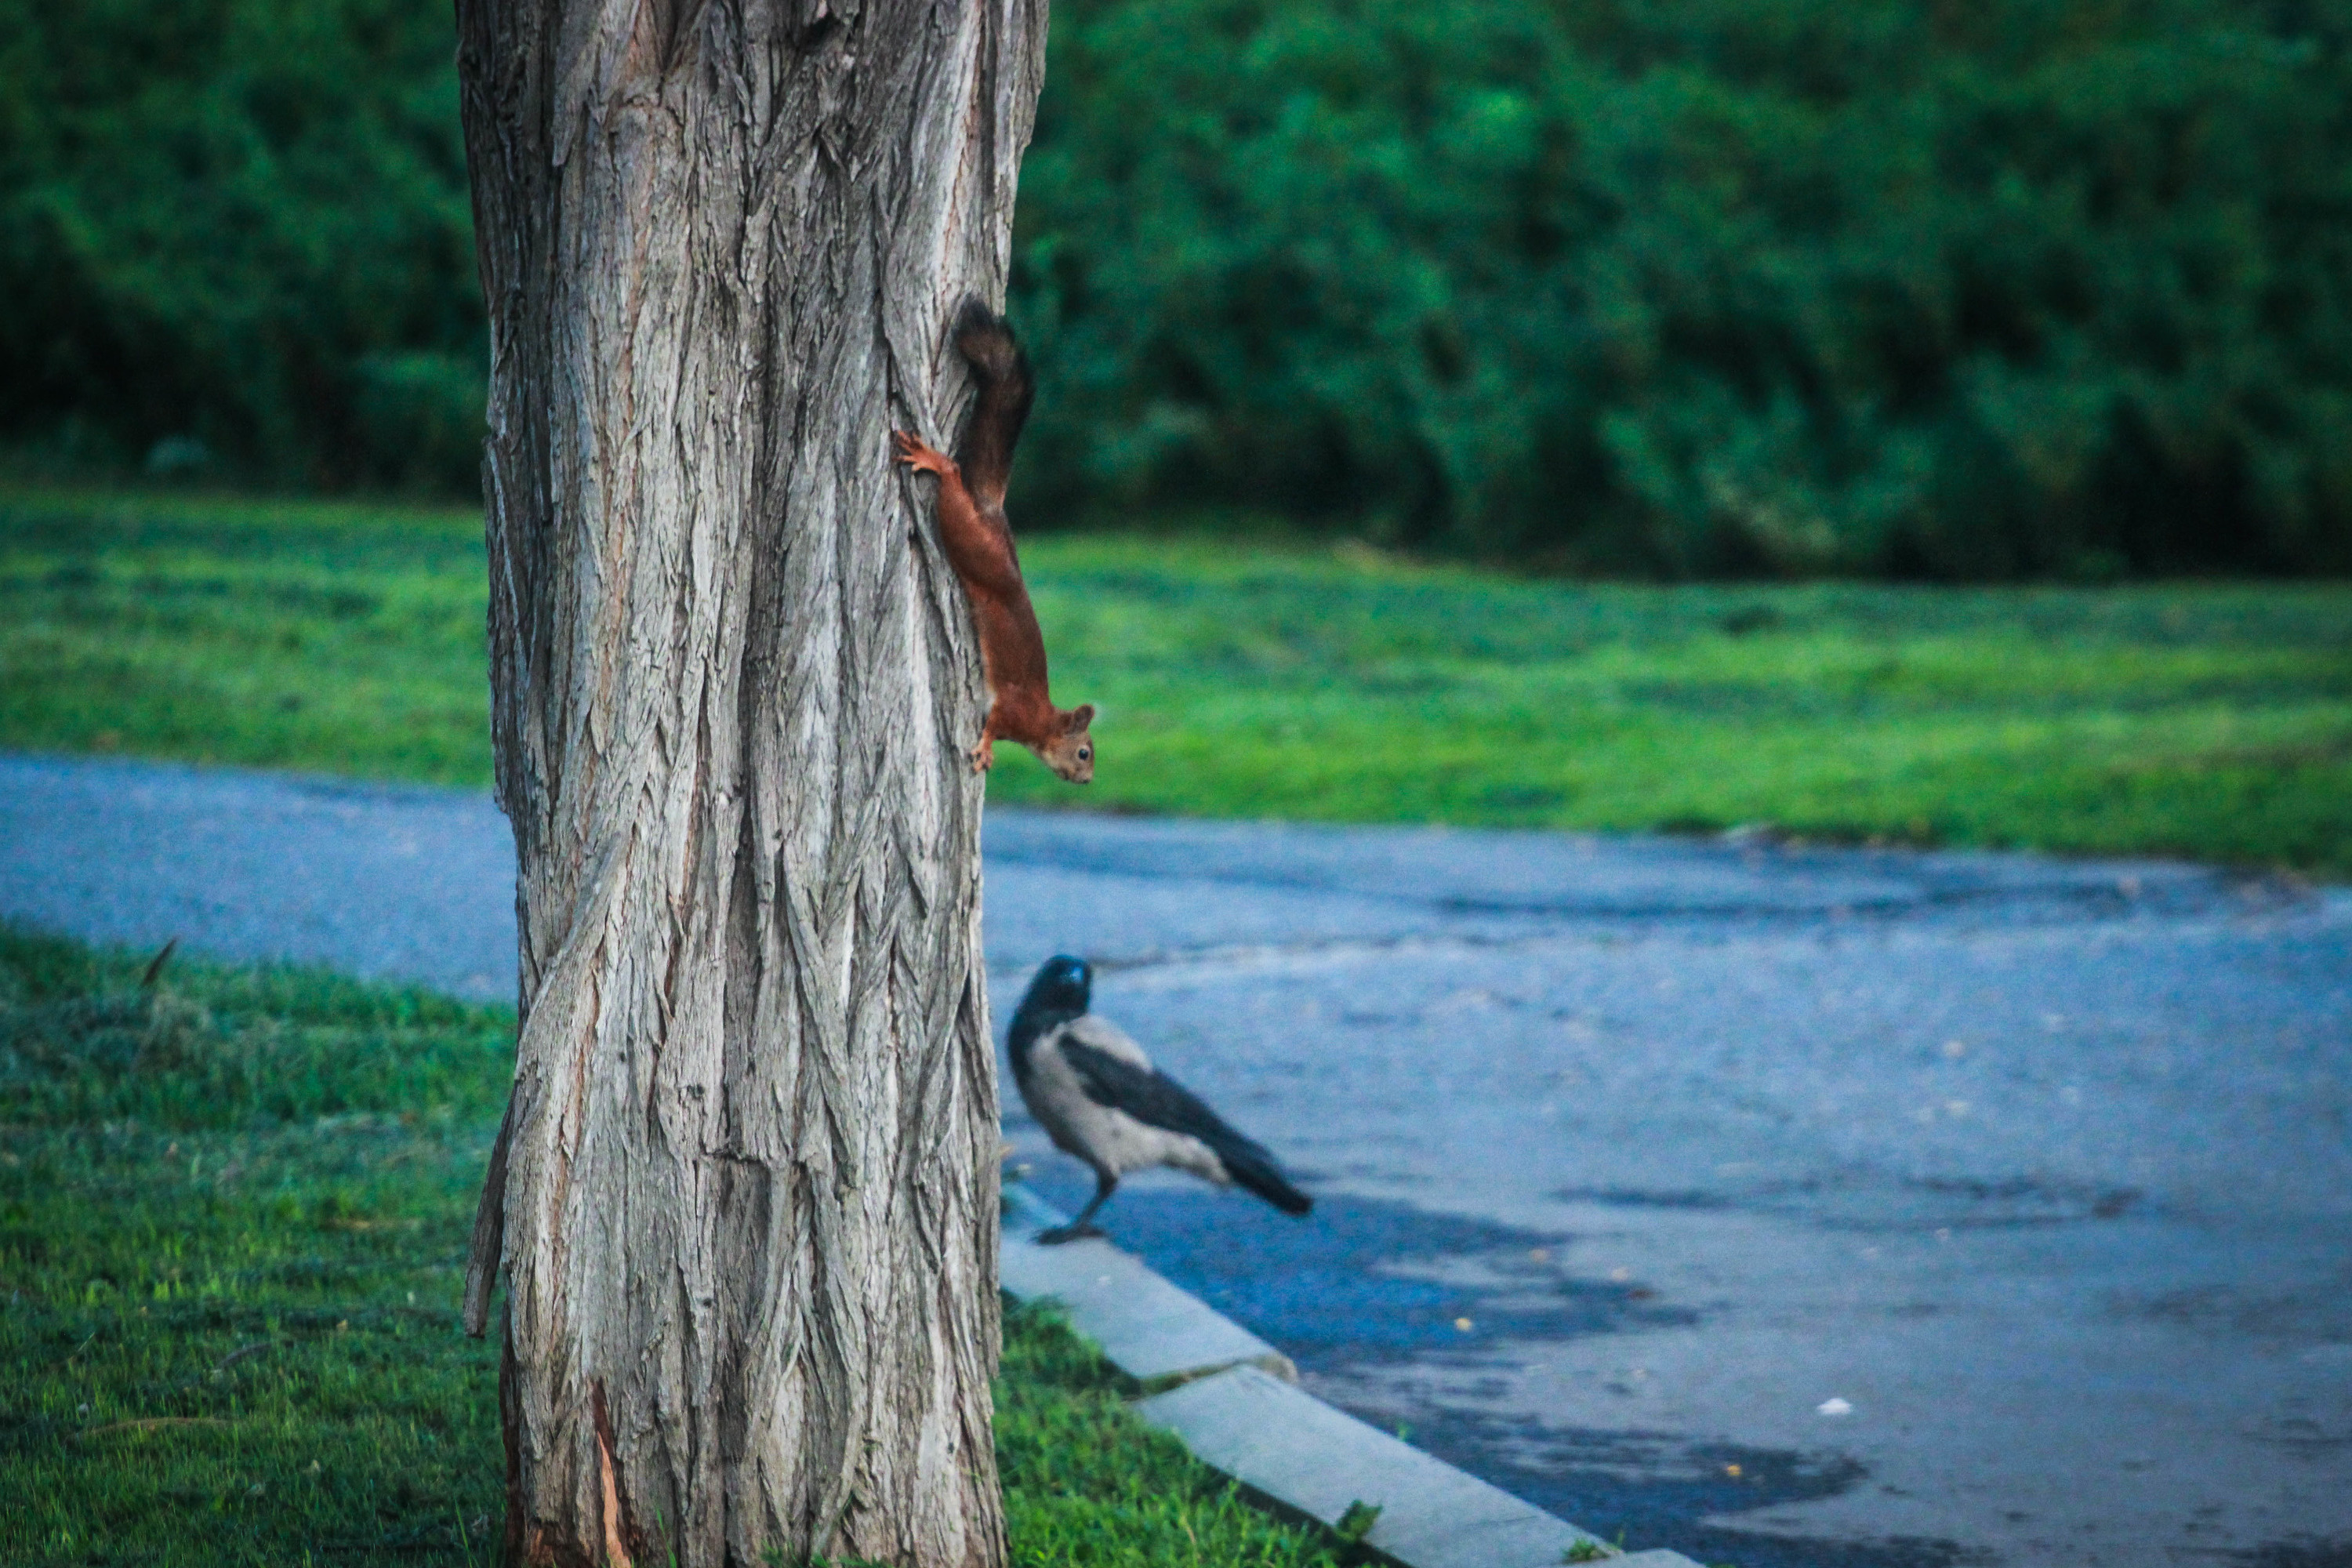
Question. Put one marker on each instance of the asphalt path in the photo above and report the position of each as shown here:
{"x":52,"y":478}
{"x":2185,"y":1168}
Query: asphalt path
{"x":1785,"y":1205}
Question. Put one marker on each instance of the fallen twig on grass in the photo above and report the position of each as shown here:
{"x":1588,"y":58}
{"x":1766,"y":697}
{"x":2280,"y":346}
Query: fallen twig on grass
{"x":155,"y":970}
{"x":149,"y":1424}
{"x":237,"y":1356}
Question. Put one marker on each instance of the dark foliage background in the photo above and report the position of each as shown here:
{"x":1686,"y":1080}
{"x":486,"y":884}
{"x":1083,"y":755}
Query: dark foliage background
{"x":242,"y":223}
{"x":1940,"y":288}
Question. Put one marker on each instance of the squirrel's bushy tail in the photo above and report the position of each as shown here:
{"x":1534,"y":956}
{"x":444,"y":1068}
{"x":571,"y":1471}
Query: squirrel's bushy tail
{"x":1003,"y":407}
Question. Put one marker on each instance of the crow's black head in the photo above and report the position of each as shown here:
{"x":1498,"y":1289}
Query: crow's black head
{"x":1062,"y":990}
{"x":1063,"y":985}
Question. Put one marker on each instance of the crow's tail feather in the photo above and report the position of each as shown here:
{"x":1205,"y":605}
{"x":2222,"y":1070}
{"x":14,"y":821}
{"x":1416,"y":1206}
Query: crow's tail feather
{"x":1003,"y":406}
{"x":1252,"y":1167}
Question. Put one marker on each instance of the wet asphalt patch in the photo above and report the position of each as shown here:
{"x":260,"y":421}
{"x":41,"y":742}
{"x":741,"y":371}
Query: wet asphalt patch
{"x":1361,"y":1280}
{"x":1368,"y":1284}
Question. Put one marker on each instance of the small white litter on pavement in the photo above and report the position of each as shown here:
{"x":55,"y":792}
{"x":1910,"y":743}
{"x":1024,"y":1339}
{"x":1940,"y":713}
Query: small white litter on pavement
{"x":1834,"y":1407}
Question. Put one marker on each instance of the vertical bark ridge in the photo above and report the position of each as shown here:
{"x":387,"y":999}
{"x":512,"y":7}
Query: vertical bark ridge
{"x":745,"y":1194}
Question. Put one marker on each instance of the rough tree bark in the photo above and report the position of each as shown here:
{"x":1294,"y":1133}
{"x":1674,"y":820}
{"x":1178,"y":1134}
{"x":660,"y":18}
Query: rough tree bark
{"x":745,"y":1195}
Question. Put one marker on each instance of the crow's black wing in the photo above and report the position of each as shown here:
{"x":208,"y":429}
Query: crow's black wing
{"x":1157,"y":1100}
{"x":1142,"y":1092}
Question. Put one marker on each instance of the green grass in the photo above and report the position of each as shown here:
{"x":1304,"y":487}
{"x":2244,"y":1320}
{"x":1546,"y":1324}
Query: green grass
{"x":344,"y":638}
{"x":1294,"y":680}
{"x":233,"y":1219}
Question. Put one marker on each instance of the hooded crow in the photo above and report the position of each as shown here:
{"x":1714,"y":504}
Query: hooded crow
{"x":1099,"y":1097}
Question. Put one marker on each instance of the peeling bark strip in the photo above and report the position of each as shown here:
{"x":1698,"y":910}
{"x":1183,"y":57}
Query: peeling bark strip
{"x":745,"y":1196}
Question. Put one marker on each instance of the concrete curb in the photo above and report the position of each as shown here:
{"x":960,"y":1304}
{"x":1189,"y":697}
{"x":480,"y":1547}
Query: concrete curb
{"x":1154,"y":1332}
{"x":1233,"y":1400}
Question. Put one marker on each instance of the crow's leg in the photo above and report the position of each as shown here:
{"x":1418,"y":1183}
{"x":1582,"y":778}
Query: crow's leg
{"x":1105,"y":1185}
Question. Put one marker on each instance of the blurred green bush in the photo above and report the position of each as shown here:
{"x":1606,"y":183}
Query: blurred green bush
{"x":1945,"y":288}
{"x":236,"y":235}
{"x":1962,"y":289}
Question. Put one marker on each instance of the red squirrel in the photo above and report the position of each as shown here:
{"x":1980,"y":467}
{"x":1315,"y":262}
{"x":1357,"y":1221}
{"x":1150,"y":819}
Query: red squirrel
{"x":979,"y":544}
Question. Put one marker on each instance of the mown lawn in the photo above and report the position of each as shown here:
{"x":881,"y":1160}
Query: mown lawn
{"x":1299,"y":681}
{"x":232,"y":1216}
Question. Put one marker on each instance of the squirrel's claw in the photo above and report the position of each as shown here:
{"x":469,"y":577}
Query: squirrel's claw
{"x":909,"y":449}
{"x":984,"y":756}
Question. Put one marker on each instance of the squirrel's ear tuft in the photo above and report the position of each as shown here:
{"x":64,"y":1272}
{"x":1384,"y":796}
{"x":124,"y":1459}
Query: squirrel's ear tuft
{"x":1080,"y":717}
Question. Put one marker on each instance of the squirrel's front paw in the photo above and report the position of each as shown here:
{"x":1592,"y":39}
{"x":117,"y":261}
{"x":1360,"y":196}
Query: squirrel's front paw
{"x":984,"y":756}
{"x":910,"y":450}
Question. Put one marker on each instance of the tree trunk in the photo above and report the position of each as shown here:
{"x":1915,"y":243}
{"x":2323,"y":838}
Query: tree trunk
{"x":745,"y":1195}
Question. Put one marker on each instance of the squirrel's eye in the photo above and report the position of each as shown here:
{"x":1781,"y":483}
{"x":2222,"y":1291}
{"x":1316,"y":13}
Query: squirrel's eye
{"x":1086,"y":754}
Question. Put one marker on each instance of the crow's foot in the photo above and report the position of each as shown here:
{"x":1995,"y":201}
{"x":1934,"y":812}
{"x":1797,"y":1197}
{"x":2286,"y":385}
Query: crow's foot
{"x":1062,"y":1233}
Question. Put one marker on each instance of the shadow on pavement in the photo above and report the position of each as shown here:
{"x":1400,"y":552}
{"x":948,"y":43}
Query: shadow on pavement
{"x":1371,"y":1284}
